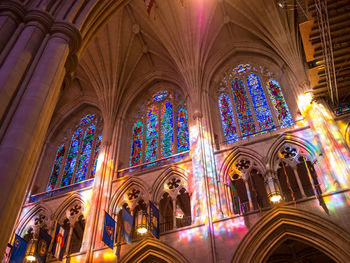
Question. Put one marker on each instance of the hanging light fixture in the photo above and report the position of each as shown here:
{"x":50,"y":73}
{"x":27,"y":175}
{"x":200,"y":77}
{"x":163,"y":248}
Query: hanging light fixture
{"x":179,"y":214}
{"x":273,"y":190}
{"x":141,"y":222}
{"x":30,"y":253}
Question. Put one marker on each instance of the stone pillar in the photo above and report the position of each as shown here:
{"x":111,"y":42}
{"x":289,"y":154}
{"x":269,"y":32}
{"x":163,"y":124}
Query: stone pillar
{"x":21,"y":55}
{"x":251,"y":206}
{"x":69,"y":237}
{"x":10,"y":16}
{"x":295,"y":171}
{"x":22,"y":141}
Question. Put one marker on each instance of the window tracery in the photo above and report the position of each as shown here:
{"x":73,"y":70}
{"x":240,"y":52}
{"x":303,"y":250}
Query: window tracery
{"x":248,"y":107}
{"x":76,"y":159}
{"x":160,"y":129}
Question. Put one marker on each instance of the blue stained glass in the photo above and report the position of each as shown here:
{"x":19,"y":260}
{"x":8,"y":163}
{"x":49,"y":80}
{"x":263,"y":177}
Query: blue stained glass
{"x":85,"y":153}
{"x":95,"y":157}
{"x":87,"y":119}
{"x":56,"y":167}
{"x":135,"y":157}
{"x":167,"y":137}
{"x":152,"y":134}
{"x":182,"y":131}
{"x":72,"y":157}
{"x":160,"y":96}
{"x":283,"y":115}
{"x":240,"y":69}
{"x":228,"y":123}
{"x":261,"y":107}
{"x":245,"y":117}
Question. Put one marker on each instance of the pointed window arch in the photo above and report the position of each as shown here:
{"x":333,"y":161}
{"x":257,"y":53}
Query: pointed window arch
{"x":166,"y":128}
{"x":79,"y":162}
{"x":258,"y":108}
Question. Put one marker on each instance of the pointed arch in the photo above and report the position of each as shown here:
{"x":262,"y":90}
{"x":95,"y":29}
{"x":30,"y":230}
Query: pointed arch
{"x":128,"y":184}
{"x":158,"y":185}
{"x":151,"y":247}
{"x":288,"y":138}
{"x":66,"y":204}
{"x":30,"y":214}
{"x":239,"y":152}
{"x":283,"y":223}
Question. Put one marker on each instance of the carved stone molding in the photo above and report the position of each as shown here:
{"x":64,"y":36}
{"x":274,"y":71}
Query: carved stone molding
{"x":13,"y":9}
{"x":68,"y":32}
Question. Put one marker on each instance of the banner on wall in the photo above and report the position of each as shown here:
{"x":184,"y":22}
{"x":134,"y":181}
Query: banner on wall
{"x":127,"y":226}
{"x":59,"y":242}
{"x":154,"y":220}
{"x":44,"y":240}
{"x":19,"y":250}
{"x":108,"y":230}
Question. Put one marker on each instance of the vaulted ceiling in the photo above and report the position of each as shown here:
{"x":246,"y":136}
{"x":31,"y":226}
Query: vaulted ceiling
{"x":188,"y":47}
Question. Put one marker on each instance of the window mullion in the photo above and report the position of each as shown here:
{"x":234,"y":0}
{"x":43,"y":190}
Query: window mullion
{"x":90,"y":164}
{"x":63,"y":166}
{"x":159,"y":150}
{"x":175,"y":135}
{"x":77,"y":161}
{"x":144,"y":134}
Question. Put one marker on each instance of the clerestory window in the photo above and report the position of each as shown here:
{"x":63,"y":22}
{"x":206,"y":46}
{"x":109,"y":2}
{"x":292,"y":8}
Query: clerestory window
{"x":160,"y":129}
{"x":251,"y":102}
{"x":76,"y":159}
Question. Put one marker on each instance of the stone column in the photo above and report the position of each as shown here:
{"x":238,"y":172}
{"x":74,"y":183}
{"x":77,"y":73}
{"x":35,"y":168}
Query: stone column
{"x":23,"y":139}
{"x":295,"y":171}
{"x":21,"y":55}
{"x":10,"y":16}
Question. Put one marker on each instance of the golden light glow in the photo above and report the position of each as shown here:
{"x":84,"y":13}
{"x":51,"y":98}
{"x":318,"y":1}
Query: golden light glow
{"x":30,"y":258}
{"x":142,"y":230}
{"x":304,"y":101}
{"x":275,"y":198}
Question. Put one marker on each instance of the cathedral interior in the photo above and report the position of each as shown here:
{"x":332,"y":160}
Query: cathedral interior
{"x":231,"y":117}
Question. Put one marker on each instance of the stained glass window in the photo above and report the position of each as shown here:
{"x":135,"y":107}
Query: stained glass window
{"x":227,"y":119}
{"x":160,"y":96}
{"x":262,"y":111}
{"x":245,"y":117}
{"x":136,"y":143}
{"x":258,"y":108}
{"x":283,"y":115}
{"x":152,"y":134}
{"x":72,"y":157}
{"x":95,"y":156}
{"x":167,"y":136}
{"x":165,"y":132}
{"x":56,"y":167}
{"x":182,"y":130}
{"x":81,"y":158}
{"x":85,"y":153}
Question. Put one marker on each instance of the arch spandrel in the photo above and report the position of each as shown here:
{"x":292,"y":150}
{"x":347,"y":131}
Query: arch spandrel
{"x":283,"y":223}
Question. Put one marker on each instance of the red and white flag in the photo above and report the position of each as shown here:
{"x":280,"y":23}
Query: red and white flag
{"x":59,"y":242}
{"x":149,"y":4}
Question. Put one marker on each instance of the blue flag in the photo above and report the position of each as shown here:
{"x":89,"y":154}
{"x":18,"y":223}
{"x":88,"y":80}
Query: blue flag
{"x":19,"y":250}
{"x":108,"y":230}
{"x":43,"y":244}
{"x":127,"y":226}
{"x":59,"y":242}
{"x":154,"y":220}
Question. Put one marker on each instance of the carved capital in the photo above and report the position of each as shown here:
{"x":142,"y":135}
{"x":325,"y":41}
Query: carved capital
{"x":42,"y":18}
{"x":69,"y":33}
{"x":13,"y":9}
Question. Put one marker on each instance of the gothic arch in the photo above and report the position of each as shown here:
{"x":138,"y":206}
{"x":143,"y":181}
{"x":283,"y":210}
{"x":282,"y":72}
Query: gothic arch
{"x":130,"y":183}
{"x":66,"y":204}
{"x":282,"y":223}
{"x":38,"y":209}
{"x":152,"y":247}
{"x":158,"y":185}
{"x":235,"y":154}
{"x":288,"y":138}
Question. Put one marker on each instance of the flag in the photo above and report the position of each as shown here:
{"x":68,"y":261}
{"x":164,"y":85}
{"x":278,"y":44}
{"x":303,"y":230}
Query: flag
{"x":59,"y":242}
{"x":108,"y":230}
{"x":235,"y":198}
{"x":44,"y":240}
{"x":19,"y":250}
{"x":149,"y":4}
{"x":7,"y":253}
{"x":127,"y":226}
{"x":154,"y":220}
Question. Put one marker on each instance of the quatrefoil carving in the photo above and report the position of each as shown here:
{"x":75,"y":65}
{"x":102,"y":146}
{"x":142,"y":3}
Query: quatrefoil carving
{"x":39,"y":220}
{"x":75,"y":210}
{"x":174,"y":183}
{"x":289,"y":152}
{"x":243,"y":165}
{"x":133,"y":194}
